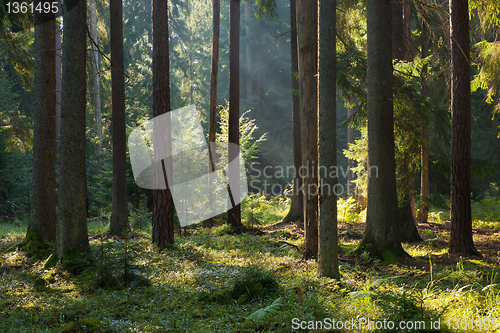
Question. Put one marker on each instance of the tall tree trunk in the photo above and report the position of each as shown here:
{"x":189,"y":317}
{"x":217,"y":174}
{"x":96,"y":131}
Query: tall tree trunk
{"x":398,"y":33}
{"x":350,"y":162}
{"x":234,"y":214}
{"x":163,"y":204}
{"x":423,"y":211}
{"x":212,"y":118}
{"x":248,"y":53}
{"x":327,"y":105}
{"x":42,"y":223}
{"x":215,"y":71}
{"x":382,"y":230}
{"x":295,"y":212}
{"x":119,"y":214}
{"x":95,"y":75}
{"x":460,"y":199}
{"x":407,"y":30}
{"x":58,"y":80}
{"x":72,"y":233}
{"x":307,"y":33}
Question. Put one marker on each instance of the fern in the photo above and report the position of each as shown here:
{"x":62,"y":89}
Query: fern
{"x":271,"y":310}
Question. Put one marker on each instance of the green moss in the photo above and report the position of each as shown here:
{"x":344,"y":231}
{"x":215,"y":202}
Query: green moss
{"x":85,"y":325}
{"x":34,"y":244}
{"x":75,"y":261}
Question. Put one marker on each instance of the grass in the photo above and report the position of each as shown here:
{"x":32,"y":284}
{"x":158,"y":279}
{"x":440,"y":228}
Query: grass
{"x":214,"y":281}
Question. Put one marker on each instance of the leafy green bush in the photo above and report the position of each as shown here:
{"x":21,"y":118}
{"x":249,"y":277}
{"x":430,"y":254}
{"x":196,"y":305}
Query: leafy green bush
{"x":346,"y":211}
{"x":486,"y":209}
{"x":259,"y":210}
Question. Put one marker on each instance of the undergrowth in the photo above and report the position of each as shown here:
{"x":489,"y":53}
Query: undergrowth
{"x":212,"y":280}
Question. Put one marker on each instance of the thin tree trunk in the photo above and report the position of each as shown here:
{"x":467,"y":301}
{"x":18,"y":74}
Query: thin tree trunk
{"x":423,"y":211}
{"x":95,"y":76}
{"x":350,"y":162}
{"x":119,"y":215}
{"x":71,"y":235}
{"x":461,"y":240}
{"x":295,"y":212}
{"x":212,"y":118}
{"x":234,"y":213}
{"x":407,"y":30}
{"x":58,"y":80}
{"x":327,"y":93}
{"x":42,"y":223}
{"x":248,"y":54}
{"x":307,"y":12}
{"x":163,"y":204}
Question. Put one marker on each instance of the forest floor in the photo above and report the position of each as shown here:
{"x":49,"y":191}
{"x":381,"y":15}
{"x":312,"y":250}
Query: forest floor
{"x":213,"y":280}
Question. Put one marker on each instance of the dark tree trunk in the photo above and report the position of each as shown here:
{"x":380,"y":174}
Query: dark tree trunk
{"x":423,"y":211}
{"x":248,"y":54}
{"x":327,"y":105}
{"x":212,"y":117}
{"x":398,"y":32}
{"x":460,"y":199}
{"x":42,"y":223}
{"x":215,"y":70}
{"x":351,"y":186}
{"x":307,"y":33}
{"x":382,"y":230}
{"x":95,"y":75}
{"x":234,"y":214}
{"x":58,"y":81}
{"x":163,"y":204}
{"x":295,"y":212}
{"x":72,"y":233}
{"x":119,"y":215}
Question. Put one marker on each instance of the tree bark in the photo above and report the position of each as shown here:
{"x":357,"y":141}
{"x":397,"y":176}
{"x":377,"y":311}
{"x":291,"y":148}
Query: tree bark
{"x":163,"y":204}
{"x":234,"y":213}
{"x":71,"y":235}
{"x":248,"y":54}
{"x":382,"y":230}
{"x":42,"y":223}
{"x":327,"y":105}
{"x":215,"y":71}
{"x":398,"y":32}
{"x":58,"y":80}
{"x":307,"y":33}
{"x":119,"y":214}
{"x":461,"y":240}
{"x":423,"y":211}
{"x":350,"y":162}
{"x":212,"y":115}
{"x":95,"y":75}
{"x":295,"y":212}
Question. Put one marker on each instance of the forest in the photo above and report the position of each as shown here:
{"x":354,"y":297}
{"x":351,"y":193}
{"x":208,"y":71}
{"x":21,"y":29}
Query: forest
{"x":249,"y":166}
